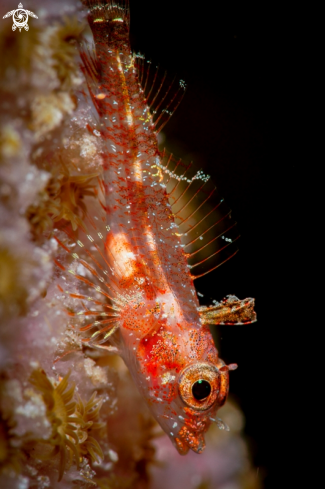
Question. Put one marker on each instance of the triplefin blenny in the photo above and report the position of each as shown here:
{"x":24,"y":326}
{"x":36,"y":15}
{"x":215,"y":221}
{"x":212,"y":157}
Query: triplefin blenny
{"x":160,"y":228}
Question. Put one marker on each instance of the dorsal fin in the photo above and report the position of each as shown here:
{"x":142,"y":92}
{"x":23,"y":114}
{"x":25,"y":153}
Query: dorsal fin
{"x":208,"y":232}
{"x":161,"y":93}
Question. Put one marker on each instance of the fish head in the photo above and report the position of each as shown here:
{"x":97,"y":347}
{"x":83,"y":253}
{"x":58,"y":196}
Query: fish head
{"x":202,"y":389}
{"x":184,"y":382}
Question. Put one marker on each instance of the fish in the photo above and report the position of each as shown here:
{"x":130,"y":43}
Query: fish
{"x":141,"y":302}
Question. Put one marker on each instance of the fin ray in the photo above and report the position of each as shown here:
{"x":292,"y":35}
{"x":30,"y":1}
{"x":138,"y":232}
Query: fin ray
{"x":204,"y":222}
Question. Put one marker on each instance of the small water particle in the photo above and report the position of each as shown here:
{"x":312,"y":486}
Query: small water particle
{"x":113,"y":455}
{"x":43,"y":481}
{"x":23,"y":482}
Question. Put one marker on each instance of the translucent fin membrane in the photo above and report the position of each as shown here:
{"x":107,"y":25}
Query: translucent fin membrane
{"x":161,"y":93}
{"x":95,"y":311}
{"x":90,"y":68}
{"x":208,"y":232}
{"x":90,"y":275}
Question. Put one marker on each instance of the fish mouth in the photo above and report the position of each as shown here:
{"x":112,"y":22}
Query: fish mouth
{"x":189,"y":440}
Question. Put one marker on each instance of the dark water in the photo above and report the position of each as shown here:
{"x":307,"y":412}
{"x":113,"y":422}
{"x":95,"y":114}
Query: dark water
{"x":232,"y":122}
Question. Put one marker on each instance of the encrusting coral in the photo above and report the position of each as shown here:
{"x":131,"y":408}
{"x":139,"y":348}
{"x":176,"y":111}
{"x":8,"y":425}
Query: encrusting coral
{"x":11,"y":456}
{"x":13,"y":295}
{"x":73,"y":424}
{"x":89,"y":413}
{"x":63,"y":418}
{"x":62,"y":198}
{"x":63,"y":50}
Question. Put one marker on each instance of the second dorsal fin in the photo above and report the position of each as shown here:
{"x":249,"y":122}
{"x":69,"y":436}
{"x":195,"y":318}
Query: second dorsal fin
{"x":208,"y":232}
{"x":161,"y":93}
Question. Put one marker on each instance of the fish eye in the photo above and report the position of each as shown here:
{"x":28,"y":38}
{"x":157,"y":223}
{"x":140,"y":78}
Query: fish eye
{"x":199,"y":385}
{"x":201,"y":389}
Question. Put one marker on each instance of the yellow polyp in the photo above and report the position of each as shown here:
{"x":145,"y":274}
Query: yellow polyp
{"x":63,"y":417}
{"x":62,"y":198}
{"x":63,"y":46}
{"x":10,"y":142}
{"x":89,"y":414}
{"x":72,"y":191}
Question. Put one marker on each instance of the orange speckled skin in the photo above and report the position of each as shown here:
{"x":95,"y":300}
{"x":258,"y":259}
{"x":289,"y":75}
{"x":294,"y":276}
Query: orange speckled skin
{"x":160,"y":331}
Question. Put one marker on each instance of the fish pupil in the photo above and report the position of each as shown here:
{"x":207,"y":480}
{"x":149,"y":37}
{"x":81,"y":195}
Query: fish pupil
{"x":201,"y":389}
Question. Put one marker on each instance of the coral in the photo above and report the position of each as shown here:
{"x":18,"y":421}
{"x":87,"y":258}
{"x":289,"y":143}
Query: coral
{"x":39,"y":213}
{"x":69,"y":197}
{"x":48,"y":111}
{"x":13,"y":292}
{"x":10,"y":142}
{"x":63,"y":417}
{"x":11,"y":456}
{"x":56,"y":52}
{"x":24,"y":270}
{"x":115,"y":482}
{"x":74,"y":424}
{"x":89,"y":414}
{"x":132,"y":432}
{"x":62,"y":198}
{"x":62,"y":43}
{"x":15,"y":50}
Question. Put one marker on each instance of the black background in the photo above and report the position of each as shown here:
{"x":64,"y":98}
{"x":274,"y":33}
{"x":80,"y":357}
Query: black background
{"x":233,"y":122}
